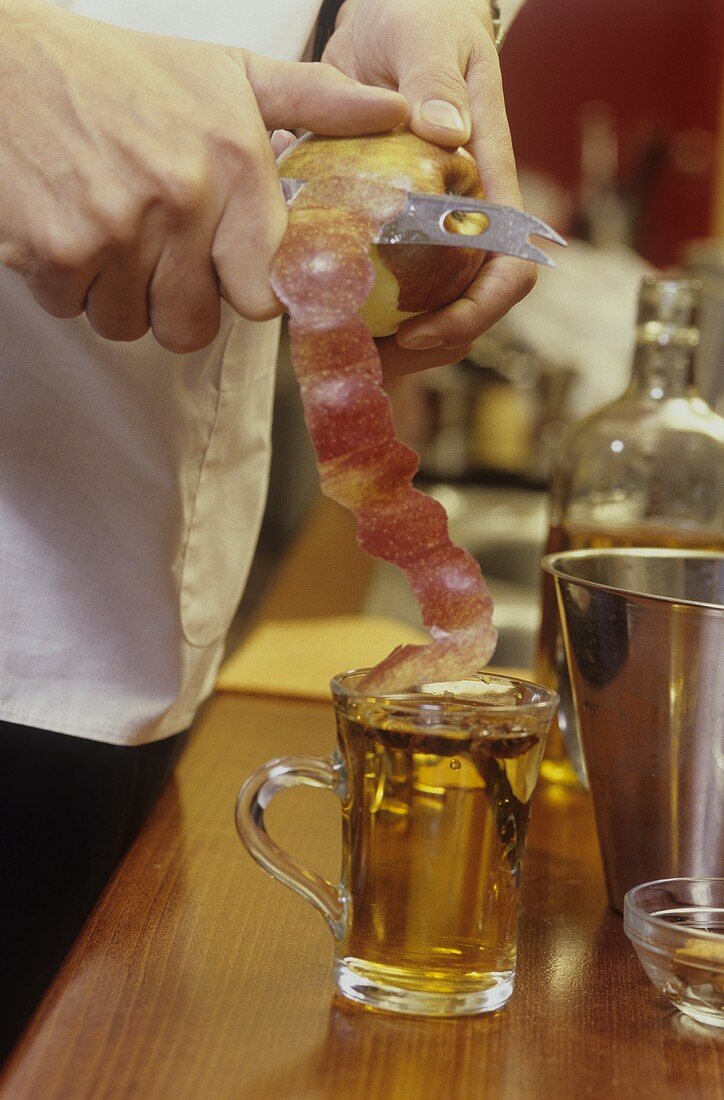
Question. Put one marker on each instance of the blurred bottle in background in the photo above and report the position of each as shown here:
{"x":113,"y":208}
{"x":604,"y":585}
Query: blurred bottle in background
{"x":600,"y":215}
{"x":704,"y":260}
{"x":645,"y":470}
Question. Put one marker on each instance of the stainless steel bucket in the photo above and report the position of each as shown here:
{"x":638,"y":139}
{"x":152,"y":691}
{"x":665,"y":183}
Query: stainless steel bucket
{"x":644,"y":637}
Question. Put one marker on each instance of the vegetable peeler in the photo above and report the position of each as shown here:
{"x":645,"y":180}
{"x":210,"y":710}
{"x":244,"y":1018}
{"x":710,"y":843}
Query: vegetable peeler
{"x":422,"y":221}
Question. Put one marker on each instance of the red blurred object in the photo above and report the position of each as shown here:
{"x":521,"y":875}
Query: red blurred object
{"x":658,"y":66}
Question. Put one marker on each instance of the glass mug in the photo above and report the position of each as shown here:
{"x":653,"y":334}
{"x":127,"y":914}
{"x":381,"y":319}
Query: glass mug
{"x":435,"y":787}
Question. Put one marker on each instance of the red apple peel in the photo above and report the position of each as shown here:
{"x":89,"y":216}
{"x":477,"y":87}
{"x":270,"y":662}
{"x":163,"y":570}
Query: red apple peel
{"x":323,"y":274}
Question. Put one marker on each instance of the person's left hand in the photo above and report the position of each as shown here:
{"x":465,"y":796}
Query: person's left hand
{"x":440,"y":55}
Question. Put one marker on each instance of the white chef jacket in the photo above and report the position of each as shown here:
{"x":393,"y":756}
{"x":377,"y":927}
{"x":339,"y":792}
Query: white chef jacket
{"x":132,"y":480}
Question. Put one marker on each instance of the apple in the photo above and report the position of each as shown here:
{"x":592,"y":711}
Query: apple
{"x":337,"y":301}
{"x":409,"y":279}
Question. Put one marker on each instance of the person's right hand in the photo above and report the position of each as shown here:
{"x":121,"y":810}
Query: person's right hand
{"x":137,"y":181}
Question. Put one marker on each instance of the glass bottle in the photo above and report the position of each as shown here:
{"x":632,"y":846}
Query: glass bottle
{"x":645,"y":470}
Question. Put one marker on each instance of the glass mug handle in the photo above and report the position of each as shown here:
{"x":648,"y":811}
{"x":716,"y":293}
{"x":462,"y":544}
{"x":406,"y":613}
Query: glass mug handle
{"x":255,"y":795}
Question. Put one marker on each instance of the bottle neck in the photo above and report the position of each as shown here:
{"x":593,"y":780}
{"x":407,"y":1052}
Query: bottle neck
{"x":663,"y":366}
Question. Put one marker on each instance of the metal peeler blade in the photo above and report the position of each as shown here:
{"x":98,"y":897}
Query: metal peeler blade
{"x":291,"y":188}
{"x":507,"y":230}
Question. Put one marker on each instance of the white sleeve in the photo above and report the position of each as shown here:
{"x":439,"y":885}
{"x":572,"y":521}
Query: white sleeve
{"x":508,"y":11}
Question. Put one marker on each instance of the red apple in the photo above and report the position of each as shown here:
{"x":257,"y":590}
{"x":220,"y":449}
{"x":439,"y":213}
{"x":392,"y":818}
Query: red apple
{"x":335,"y":294}
{"x":409,"y":279}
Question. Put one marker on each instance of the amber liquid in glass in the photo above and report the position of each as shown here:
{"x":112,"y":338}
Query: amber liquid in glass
{"x":434,"y":831}
{"x":550,"y":662}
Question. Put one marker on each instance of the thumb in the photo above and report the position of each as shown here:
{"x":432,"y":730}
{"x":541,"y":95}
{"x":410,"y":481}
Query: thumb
{"x":318,"y":97}
{"x":281,"y":140}
{"x":439,"y":101}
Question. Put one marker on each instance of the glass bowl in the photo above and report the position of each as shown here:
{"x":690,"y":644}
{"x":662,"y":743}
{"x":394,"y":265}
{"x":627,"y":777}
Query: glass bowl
{"x":677,"y":928}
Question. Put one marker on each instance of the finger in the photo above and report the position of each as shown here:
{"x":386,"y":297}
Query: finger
{"x":439,"y":102}
{"x":250,"y":230}
{"x":117,"y":300}
{"x":397,"y":360}
{"x":318,"y":97}
{"x":60,"y":299}
{"x":281,"y":140}
{"x":501,"y":282}
{"x":490,"y":142}
{"x":59,"y":286}
{"x":429,"y":60}
{"x":183,"y":296}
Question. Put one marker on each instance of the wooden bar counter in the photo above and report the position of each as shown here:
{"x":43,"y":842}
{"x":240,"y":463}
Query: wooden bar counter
{"x":199,"y":976}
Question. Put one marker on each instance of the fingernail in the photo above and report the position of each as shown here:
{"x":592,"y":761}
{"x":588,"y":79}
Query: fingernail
{"x":441,"y":113}
{"x":421,"y":342}
{"x":282,"y":139}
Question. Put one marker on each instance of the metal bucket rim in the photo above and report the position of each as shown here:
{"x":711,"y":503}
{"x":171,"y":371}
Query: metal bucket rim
{"x":551,"y":564}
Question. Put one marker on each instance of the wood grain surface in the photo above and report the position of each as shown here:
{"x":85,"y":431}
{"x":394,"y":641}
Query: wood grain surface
{"x":199,"y":976}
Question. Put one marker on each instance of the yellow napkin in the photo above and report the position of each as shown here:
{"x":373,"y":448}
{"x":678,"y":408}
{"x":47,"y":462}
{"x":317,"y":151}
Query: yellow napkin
{"x":298,"y":657}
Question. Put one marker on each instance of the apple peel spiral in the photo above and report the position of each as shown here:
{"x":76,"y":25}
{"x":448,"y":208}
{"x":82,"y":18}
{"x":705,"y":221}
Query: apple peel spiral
{"x":323,"y":274}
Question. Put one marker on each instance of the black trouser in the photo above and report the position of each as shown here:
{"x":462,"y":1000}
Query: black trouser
{"x":69,"y":809}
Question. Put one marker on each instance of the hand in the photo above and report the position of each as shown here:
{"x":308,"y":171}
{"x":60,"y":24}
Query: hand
{"x":440,"y":55}
{"x":137,"y":182}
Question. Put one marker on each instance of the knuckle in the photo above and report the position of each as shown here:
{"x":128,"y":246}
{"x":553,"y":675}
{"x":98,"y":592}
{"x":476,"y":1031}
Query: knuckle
{"x":261,"y":309}
{"x":526,"y":279}
{"x":240,"y":158}
{"x":447,"y":82}
{"x":136,"y":330}
{"x":187,"y":337}
{"x":184,"y":343}
{"x":256,"y":301}
{"x":118,"y":221}
{"x":183,"y":188}
{"x":16,"y":258}
{"x":513,"y":281}
{"x":61,"y":253}
{"x":57,"y":306}
{"x":325,"y":72}
{"x":117,"y":329}
{"x":248,"y":292}
{"x":482,"y":48}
